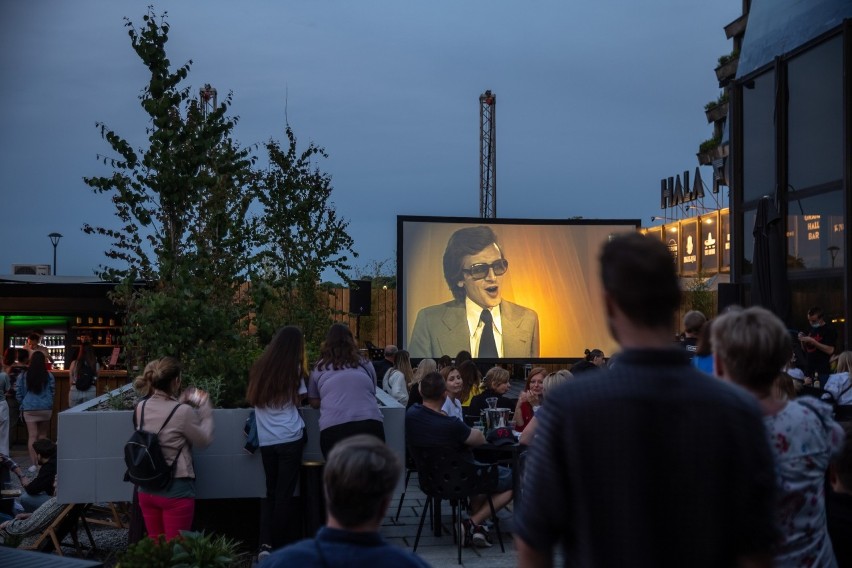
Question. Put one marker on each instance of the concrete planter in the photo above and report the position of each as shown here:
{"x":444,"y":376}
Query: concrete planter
{"x":91,"y":452}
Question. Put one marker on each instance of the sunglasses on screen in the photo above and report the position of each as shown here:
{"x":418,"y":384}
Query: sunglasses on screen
{"x":480,"y":271}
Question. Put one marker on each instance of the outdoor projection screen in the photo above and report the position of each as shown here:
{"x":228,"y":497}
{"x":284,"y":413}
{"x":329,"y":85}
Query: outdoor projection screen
{"x":553,"y":271}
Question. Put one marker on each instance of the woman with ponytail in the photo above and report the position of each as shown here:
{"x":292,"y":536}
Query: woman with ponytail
{"x":170,"y":510}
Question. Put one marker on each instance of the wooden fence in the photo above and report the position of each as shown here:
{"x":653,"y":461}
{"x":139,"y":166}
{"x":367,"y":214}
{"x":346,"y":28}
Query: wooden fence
{"x":379,"y":328}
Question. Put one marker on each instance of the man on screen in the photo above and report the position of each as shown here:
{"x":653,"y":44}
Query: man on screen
{"x":478,"y":319}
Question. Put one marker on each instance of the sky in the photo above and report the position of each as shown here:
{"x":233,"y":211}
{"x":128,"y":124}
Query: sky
{"x":596,"y":102}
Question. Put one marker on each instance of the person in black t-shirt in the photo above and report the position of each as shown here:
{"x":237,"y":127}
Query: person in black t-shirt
{"x":819,"y":343}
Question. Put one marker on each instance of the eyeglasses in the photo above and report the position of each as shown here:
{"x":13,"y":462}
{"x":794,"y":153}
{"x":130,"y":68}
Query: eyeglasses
{"x":480,"y":270}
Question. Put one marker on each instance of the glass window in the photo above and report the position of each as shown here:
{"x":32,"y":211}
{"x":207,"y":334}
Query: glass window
{"x":815,"y":232}
{"x":748,"y":239}
{"x":815,"y":115}
{"x":725,"y":232}
{"x":825,"y":292}
{"x":759,"y":136}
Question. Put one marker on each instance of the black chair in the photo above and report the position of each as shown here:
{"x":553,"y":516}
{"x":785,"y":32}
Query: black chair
{"x":410,"y":467}
{"x":447,"y":474}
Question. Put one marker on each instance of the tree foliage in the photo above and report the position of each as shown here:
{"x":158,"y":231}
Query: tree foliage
{"x":222,"y":248}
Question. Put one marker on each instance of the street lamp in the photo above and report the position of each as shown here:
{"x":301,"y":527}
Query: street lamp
{"x":54,"y":240}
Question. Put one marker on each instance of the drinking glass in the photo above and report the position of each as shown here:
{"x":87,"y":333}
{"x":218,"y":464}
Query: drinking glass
{"x":492,"y":402}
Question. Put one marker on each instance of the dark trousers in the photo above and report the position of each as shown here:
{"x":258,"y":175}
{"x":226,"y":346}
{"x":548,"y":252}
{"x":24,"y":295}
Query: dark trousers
{"x":333,"y":434}
{"x":281,"y":464}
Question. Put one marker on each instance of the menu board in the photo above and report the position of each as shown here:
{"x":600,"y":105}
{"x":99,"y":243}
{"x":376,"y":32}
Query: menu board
{"x":689,"y":247}
{"x":710,"y":243}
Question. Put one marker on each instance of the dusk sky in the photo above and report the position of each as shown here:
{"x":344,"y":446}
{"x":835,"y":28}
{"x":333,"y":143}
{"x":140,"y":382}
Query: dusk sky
{"x":596,"y":102}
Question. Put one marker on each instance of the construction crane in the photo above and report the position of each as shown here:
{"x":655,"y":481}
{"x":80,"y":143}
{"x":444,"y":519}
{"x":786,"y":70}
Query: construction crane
{"x":208,"y":96}
{"x":487,"y":156}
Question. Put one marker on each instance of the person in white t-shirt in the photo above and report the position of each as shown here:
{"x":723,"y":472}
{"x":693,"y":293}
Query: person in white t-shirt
{"x":398,"y":378}
{"x":276,"y":389}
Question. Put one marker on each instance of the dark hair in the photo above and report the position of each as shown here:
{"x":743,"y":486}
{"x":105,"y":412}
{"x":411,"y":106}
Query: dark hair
{"x":45,"y":448}
{"x":464,"y":242}
{"x":87,"y":353}
{"x":815,"y":312}
{"x":360,"y":476}
{"x":704,"y":346}
{"x":34,"y":336}
{"x":444,"y":361}
{"x":339,"y":350}
{"x":591,"y":354}
{"x":36,"y":373}
{"x":471,"y":377}
{"x":432,"y":386}
{"x":463,"y":356}
{"x":639,"y":274}
{"x":277,"y":375}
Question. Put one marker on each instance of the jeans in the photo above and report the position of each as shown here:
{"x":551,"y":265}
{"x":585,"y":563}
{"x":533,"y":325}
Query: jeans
{"x":281,"y":464}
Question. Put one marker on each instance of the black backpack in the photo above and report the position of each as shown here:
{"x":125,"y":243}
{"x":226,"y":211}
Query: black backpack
{"x":85,"y":376}
{"x":146,"y":465}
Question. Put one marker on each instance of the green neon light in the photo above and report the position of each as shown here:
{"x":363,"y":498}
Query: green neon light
{"x":36,"y":321}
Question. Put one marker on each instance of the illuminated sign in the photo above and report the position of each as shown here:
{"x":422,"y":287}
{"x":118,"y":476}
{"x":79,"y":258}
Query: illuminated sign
{"x":673,"y":193}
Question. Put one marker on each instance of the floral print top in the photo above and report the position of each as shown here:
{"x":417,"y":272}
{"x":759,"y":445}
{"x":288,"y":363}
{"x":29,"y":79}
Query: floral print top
{"x":803,"y":438}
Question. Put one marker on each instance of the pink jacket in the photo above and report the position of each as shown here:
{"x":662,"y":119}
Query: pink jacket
{"x":188,"y":427}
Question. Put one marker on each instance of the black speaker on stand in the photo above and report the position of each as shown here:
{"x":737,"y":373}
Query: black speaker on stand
{"x":360,"y":303}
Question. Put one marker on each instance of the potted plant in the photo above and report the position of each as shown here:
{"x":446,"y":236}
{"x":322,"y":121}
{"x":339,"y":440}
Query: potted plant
{"x":727,"y":67}
{"x":717,"y":109}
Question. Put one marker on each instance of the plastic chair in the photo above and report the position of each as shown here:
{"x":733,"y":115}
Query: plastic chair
{"x":447,"y":474}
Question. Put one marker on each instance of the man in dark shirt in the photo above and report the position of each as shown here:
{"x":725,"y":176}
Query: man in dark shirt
{"x":385,"y":364}
{"x":818,"y":343}
{"x":360,"y":477}
{"x":427,"y":426}
{"x":652,"y":463}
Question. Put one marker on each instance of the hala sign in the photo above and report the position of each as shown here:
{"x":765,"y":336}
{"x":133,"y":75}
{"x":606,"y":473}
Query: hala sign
{"x":673,"y":193}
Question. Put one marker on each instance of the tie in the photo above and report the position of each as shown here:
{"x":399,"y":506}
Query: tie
{"x":487,"y":345}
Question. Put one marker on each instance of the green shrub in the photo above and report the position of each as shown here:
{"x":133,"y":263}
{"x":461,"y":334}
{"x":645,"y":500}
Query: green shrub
{"x":189,"y":550}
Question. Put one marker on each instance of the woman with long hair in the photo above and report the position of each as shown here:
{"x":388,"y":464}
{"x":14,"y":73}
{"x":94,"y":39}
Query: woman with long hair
{"x":85,"y":363}
{"x":398,"y":378}
{"x":530,"y":398}
{"x":425,"y":367}
{"x":452,"y":404}
{"x":343,"y":386}
{"x":170,"y":510}
{"x":35,"y":393}
{"x":471,"y":381}
{"x":275,"y":390}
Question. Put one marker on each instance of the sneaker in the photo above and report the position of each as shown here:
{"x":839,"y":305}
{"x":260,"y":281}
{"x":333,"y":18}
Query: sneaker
{"x":467,"y":532}
{"x":480,"y":538}
{"x":265,"y":551}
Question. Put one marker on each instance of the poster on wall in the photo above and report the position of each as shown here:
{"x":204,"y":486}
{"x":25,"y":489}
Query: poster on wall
{"x":689,"y":246}
{"x":710,"y":244}
{"x":538,"y":278}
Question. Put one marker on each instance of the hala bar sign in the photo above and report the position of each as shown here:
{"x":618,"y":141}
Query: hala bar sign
{"x":672,"y":193}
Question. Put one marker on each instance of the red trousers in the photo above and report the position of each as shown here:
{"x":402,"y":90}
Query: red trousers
{"x":166,"y":515}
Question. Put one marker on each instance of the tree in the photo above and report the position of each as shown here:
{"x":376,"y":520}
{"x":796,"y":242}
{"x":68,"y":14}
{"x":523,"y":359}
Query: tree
{"x":224,"y":250}
{"x":182,"y":202}
{"x":300,"y":237}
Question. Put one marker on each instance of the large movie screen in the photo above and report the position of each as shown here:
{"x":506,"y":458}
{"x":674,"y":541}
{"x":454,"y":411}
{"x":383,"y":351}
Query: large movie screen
{"x":537,"y":279}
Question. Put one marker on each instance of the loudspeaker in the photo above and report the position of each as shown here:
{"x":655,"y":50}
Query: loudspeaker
{"x":730,"y":294}
{"x":359,"y":298}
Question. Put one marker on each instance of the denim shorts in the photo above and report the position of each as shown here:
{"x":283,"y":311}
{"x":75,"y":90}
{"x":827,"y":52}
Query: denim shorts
{"x":504,"y":480}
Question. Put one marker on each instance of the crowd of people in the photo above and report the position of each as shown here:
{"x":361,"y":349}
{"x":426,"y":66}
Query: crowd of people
{"x":715,"y":450}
